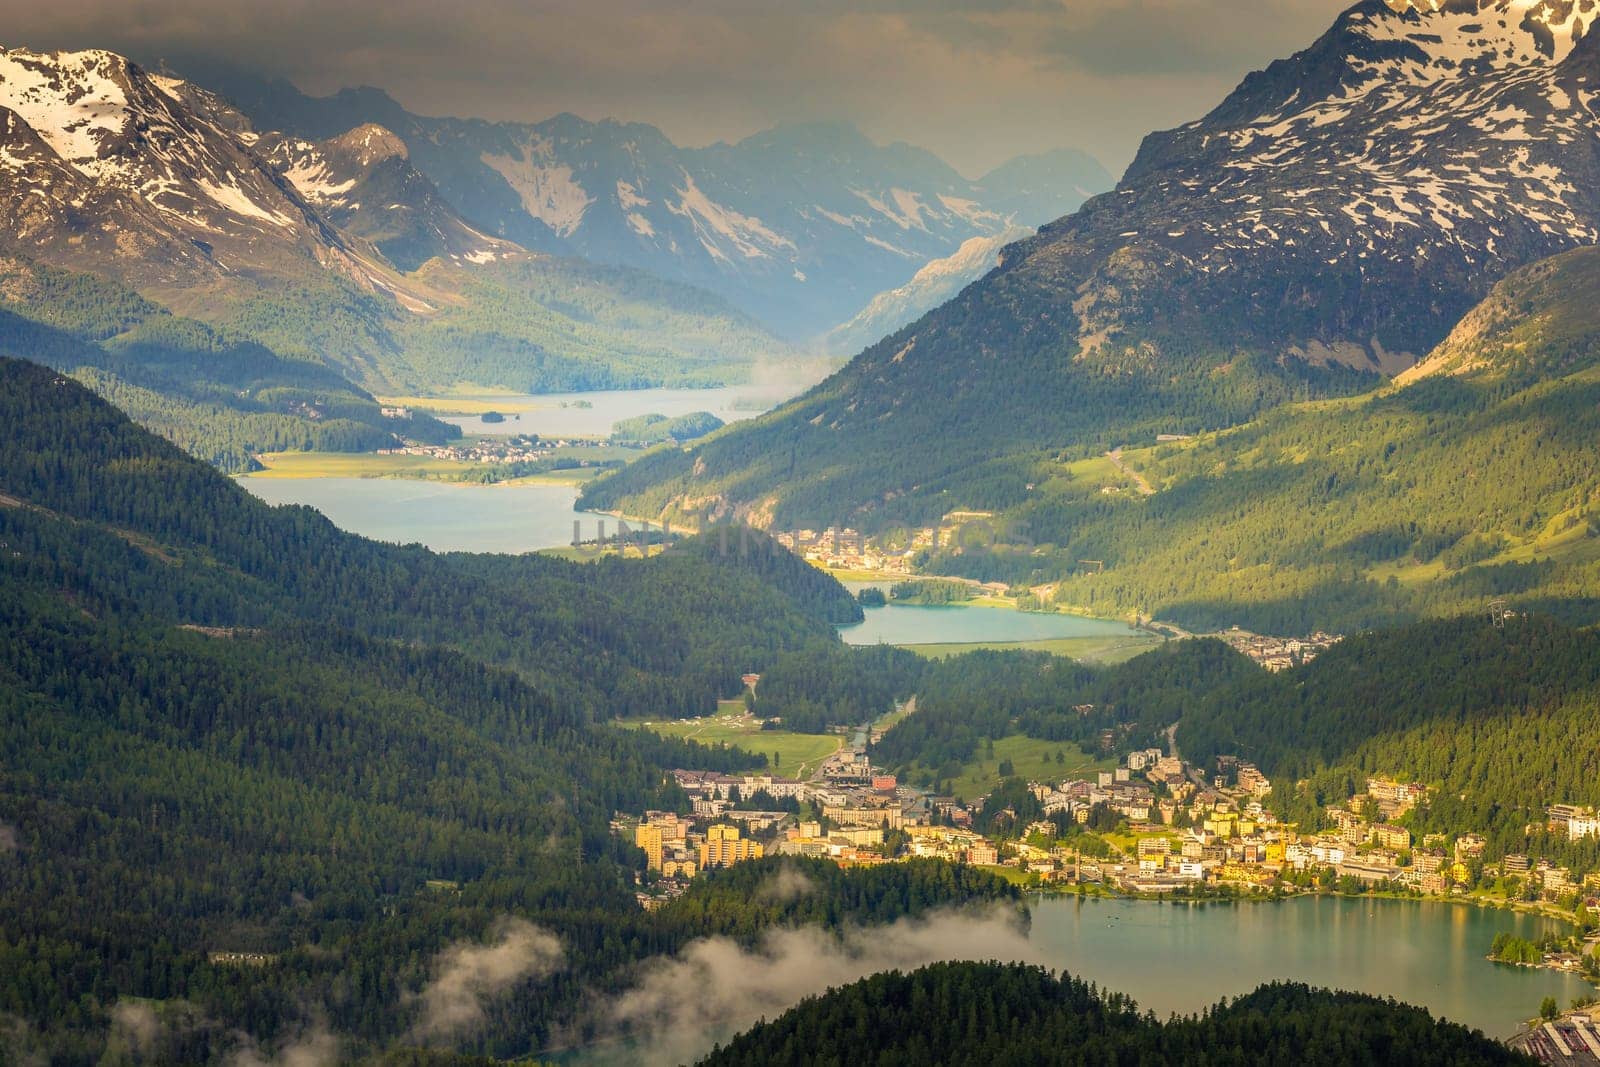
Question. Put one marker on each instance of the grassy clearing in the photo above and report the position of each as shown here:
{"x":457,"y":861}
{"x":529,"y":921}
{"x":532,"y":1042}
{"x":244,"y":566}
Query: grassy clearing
{"x":1030,"y":758}
{"x":1014,"y":875}
{"x":1109,"y":649}
{"x":1128,"y":843}
{"x":890,"y":719}
{"x":798,"y":754}
{"x":845,"y":575}
{"x":355,"y":465}
{"x":575,"y":476}
{"x":474,"y":401}
{"x":588,"y":554}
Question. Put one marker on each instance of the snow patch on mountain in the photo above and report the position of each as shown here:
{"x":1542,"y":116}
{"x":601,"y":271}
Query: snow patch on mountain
{"x":232,"y":198}
{"x":628,"y":197}
{"x":72,"y":99}
{"x":902,"y":207}
{"x":722,"y":230}
{"x":1442,"y":36}
{"x":310,"y":173}
{"x":976,"y":213}
{"x":549,"y":192}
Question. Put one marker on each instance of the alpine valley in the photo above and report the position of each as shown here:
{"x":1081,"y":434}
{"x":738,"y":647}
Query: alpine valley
{"x":1257,"y":290}
{"x":1226,"y":536}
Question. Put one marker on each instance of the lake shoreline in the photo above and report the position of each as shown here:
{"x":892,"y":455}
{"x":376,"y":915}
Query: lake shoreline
{"x":1247,"y":897}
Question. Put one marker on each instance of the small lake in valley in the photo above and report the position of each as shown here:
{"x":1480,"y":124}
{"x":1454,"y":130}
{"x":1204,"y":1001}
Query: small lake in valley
{"x":1183,"y":958}
{"x":453,"y":517}
{"x":911,"y":624}
{"x":445,"y":516}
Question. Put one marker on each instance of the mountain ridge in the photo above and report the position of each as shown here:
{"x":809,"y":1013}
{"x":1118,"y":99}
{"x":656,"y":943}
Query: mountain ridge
{"x":799,"y":225}
{"x":1324,"y":226}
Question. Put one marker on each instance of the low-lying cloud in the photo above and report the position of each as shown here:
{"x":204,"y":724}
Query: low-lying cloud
{"x":315,"y":1047}
{"x":786,"y":884}
{"x":715,"y":988}
{"x":147,"y":1031}
{"x":468,"y":975}
{"x":135,"y":1029}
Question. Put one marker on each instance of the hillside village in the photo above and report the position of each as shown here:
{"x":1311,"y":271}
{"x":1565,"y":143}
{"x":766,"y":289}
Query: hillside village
{"x":1153,"y":826}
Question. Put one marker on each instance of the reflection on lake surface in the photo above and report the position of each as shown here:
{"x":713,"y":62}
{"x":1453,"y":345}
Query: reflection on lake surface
{"x":1182,"y":958}
{"x":447,"y":517}
{"x":593,"y":414}
{"x":908,"y":624}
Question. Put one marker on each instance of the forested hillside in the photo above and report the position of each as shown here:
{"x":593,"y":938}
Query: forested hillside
{"x":1470,"y":479}
{"x":985,"y":696}
{"x":218,"y":395}
{"x":1499,"y":721}
{"x":112,"y":509}
{"x":992,"y":1013}
{"x":250,"y":803}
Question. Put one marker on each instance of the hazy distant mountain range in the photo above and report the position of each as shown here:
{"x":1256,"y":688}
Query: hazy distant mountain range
{"x":244,"y":269}
{"x":931,"y":286}
{"x":800,"y":226}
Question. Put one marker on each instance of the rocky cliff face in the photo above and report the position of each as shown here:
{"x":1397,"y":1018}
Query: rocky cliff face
{"x":363,"y":182}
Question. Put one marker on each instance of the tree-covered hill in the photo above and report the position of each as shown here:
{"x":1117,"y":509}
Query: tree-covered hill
{"x":217,"y":394}
{"x":960,"y":1014}
{"x":260,"y":780}
{"x":122,"y":521}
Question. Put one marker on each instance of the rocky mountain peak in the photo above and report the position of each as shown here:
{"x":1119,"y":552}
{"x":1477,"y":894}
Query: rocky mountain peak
{"x":368,"y":144}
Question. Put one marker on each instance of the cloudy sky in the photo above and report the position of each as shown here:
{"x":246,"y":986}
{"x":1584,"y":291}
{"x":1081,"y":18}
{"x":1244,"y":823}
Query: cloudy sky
{"x":977,"y":81}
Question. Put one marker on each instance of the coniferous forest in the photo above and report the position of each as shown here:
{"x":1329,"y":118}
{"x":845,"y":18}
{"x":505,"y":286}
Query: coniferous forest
{"x":988,"y":1013}
{"x":231,"y":733}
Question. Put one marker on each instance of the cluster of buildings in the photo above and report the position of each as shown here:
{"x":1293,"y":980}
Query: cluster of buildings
{"x":1177,"y":829}
{"x":486,"y":450}
{"x":893,"y":551}
{"x":849,"y":549}
{"x":1219,"y":832}
{"x":1280,"y":653}
{"x":1574,"y":822}
{"x":675,"y":849}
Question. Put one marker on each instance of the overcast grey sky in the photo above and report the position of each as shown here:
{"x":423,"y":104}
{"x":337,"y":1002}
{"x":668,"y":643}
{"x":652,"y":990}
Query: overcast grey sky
{"x":976,"y":81}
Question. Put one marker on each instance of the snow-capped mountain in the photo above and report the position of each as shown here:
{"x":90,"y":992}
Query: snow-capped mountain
{"x":363,"y":182}
{"x":107,"y":167}
{"x":1361,"y":195}
{"x":801,"y":225}
{"x":1346,"y":206}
